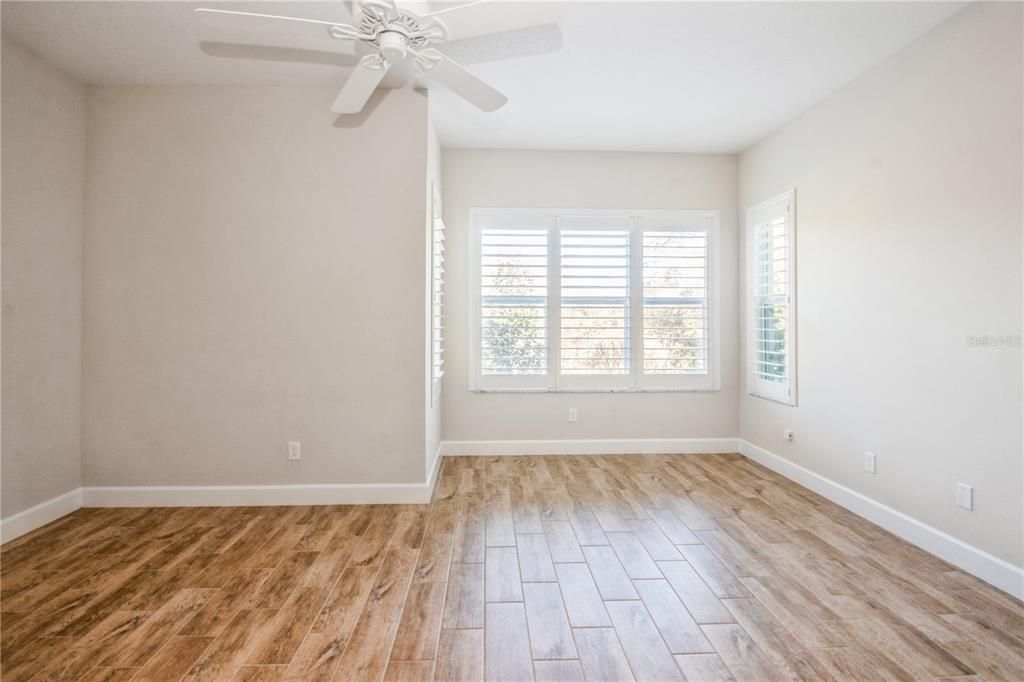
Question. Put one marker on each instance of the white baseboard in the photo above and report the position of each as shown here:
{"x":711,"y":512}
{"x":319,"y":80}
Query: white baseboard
{"x":991,"y":569}
{"x":597,"y":446}
{"x":262,"y":495}
{"x":435,"y":468}
{"x":38,"y":516}
{"x":254,"y":495}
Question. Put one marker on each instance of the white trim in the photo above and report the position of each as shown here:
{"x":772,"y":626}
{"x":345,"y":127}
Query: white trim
{"x":977,"y":562}
{"x":38,"y":516}
{"x":263,"y":495}
{"x":597,"y":446}
{"x":220,"y":496}
{"x":434,"y":469}
{"x":255,"y":495}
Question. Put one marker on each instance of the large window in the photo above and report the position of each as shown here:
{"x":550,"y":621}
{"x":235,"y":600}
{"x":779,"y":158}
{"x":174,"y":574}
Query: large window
{"x":771,"y":258}
{"x":609,"y":300}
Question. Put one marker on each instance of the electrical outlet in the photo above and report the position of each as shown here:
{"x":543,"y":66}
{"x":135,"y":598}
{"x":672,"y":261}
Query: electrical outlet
{"x":965,"y":496}
{"x":294,"y":450}
{"x":573,"y":415}
{"x":788,"y":434}
{"x":869,"y":462}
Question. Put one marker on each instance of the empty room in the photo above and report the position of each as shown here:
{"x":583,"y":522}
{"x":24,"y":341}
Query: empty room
{"x":511,"y":340}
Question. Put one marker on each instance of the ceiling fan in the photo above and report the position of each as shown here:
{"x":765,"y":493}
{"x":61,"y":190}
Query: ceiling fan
{"x":386,"y":35}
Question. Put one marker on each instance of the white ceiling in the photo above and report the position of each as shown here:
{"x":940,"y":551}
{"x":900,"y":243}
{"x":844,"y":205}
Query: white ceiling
{"x":651,"y":76}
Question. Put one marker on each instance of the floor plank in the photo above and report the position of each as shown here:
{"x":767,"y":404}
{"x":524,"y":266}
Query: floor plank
{"x":681,"y":632}
{"x":610,"y":576}
{"x":535,"y":563}
{"x":601,"y":654}
{"x":550,"y":635}
{"x":507,"y":643}
{"x":502,"y":579}
{"x":464,"y":606}
{"x":579,"y":593}
{"x":460,"y":656}
{"x":643,"y":645}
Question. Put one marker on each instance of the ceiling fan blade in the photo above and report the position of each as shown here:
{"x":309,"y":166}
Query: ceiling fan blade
{"x":514,"y":44}
{"x":482,"y":17}
{"x":279,"y":54}
{"x":246,"y":28}
{"x":360,"y":85}
{"x":417,"y":7}
{"x":463,"y":83}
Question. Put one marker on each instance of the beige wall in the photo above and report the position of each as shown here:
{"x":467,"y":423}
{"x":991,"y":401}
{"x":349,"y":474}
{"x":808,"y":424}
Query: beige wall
{"x":43,"y":158}
{"x":909,"y":240}
{"x":248,"y":270}
{"x":538,"y":179}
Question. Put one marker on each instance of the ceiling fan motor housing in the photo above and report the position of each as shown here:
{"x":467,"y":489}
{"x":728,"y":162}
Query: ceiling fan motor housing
{"x":393,"y":45}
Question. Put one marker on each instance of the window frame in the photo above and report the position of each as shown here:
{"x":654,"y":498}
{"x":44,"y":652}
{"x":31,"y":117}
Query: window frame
{"x":553,"y":381}
{"x":784,"y":392}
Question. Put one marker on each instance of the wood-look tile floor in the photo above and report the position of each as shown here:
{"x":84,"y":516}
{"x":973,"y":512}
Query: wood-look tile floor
{"x":704,"y":567}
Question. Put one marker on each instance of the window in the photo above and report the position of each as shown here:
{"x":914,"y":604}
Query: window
{"x":771,"y":259}
{"x":513,"y":302}
{"x":676,"y":339}
{"x":437,"y":307}
{"x":584,"y":300}
{"x":594,"y":315}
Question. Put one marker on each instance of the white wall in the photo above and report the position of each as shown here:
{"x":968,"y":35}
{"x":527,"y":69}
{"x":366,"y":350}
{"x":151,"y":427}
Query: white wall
{"x":248,"y":269}
{"x":538,"y":179}
{"x":43,"y":159}
{"x":909,"y":240}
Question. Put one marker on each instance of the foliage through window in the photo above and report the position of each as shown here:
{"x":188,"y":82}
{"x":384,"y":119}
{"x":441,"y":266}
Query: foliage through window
{"x":610,"y":300}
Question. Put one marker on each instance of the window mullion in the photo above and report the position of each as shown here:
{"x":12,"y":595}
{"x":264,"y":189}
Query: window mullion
{"x":554,"y":304}
{"x":636,"y":302}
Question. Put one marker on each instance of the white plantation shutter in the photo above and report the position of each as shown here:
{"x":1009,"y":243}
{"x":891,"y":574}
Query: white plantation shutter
{"x":770,"y":235}
{"x":513,"y":281}
{"x":594,"y":300}
{"x":594,"y":312}
{"x":437,"y":294}
{"x":675,"y":322}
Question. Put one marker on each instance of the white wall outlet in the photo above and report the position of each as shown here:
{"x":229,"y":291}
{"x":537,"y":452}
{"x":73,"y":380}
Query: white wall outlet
{"x":788,"y":434}
{"x":965,"y":496}
{"x":294,"y":450}
{"x":573,"y":415}
{"x":869,"y":462}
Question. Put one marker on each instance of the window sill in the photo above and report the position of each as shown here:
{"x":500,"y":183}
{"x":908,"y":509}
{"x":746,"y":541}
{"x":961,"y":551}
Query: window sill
{"x":772,"y":399}
{"x":596,"y":390}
